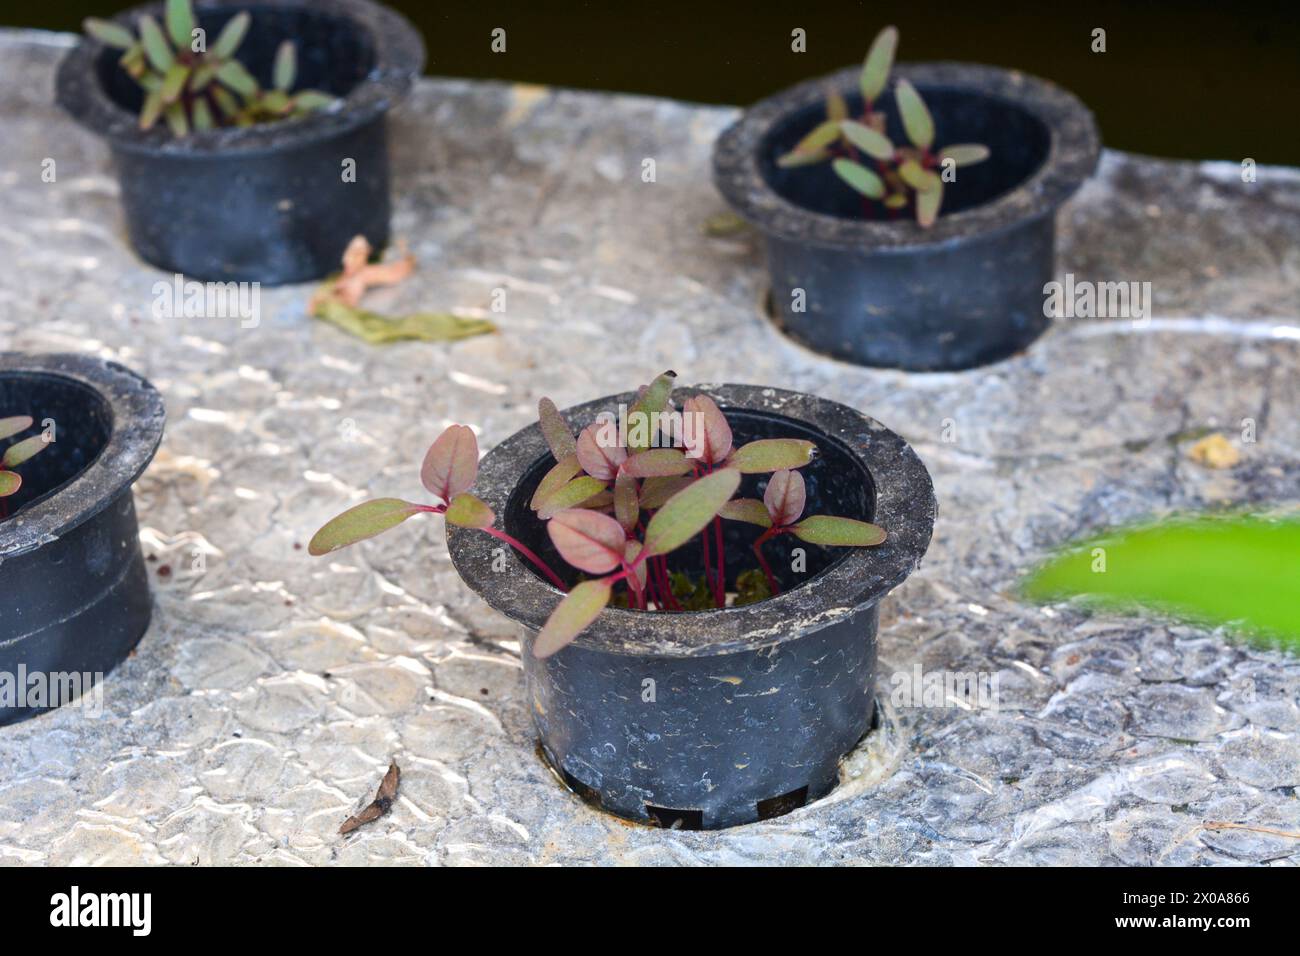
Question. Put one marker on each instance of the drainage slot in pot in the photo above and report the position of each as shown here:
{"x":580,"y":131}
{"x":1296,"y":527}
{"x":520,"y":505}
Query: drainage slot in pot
{"x":671,"y":819}
{"x":783,"y":804}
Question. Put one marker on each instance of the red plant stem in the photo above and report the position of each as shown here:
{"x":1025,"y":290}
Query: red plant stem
{"x":720,"y":592}
{"x":527,"y":553}
{"x":762,"y":561}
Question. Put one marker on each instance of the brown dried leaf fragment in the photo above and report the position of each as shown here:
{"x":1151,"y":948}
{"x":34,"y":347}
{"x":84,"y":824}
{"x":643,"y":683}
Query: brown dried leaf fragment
{"x":382,"y":803}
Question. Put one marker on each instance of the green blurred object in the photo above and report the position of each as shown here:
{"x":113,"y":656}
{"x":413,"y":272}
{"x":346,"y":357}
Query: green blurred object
{"x":1239,"y":571}
{"x":380,"y":329}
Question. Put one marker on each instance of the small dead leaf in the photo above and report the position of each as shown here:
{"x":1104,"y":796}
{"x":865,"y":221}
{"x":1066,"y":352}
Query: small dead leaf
{"x":338,"y":302}
{"x":382,"y":803}
{"x":724,"y":224}
{"x":1214,"y":451}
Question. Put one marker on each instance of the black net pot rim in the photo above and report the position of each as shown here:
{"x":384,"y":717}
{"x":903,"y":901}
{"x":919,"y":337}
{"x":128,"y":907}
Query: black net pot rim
{"x":399,"y":58}
{"x":136,"y":429}
{"x":1072,"y":157}
{"x":905,"y":506}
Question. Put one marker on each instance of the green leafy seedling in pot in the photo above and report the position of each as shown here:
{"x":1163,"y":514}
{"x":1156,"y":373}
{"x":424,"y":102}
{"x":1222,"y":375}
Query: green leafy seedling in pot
{"x":194,"y":86}
{"x":17,"y":453}
{"x":864,"y":157}
{"x":618,"y":501}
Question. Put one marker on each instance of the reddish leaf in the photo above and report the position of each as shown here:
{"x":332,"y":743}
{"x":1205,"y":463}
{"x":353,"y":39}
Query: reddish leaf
{"x":627,"y":509}
{"x":657,"y":463}
{"x":838,"y":532}
{"x":785,"y":497}
{"x":10,"y":482}
{"x":12,"y":426}
{"x":771,"y":454}
{"x":747,"y":509}
{"x":686,"y":513}
{"x":558,"y":437}
{"x":451,"y":464}
{"x":577,"y":492}
{"x":555,"y":479}
{"x":356,"y":524}
{"x":707,"y":436}
{"x":640,"y":572}
{"x":588,"y":540}
{"x":468,"y":511}
{"x":579,"y":608}
{"x":598,"y":460}
{"x":656,"y":491}
{"x":19,"y":452}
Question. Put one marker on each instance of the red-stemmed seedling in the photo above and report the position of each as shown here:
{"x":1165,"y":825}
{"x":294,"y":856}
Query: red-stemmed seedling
{"x":867,"y":160}
{"x":617,"y":502}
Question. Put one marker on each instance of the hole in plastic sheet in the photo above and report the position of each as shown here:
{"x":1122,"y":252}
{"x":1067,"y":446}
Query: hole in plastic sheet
{"x":676,"y":819}
{"x":781,"y":805}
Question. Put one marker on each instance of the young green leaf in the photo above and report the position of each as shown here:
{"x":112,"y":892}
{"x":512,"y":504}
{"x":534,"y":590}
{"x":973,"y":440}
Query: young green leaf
{"x":364,"y":521}
{"x":13,"y":425}
{"x":173,"y":82}
{"x":579,"y":608}
{"x":686,"y":513}
{"x":750,"y":510}
{"x":201,"y":114}
{"x":233,"y":74}
{"x":859,"y":177}
{"x":308,"y":101}
{"x":812,"y":145}
{"x":927,"y":206}
{"x":919,"y":178}
{"x":1240,"y":571}
{"x":627,"y":507}
{"x":180,"y":22}
{"x":598,"y":460}
{"x":232,"y":34}
{"x":560,"y":474}
{"x":705,"y":431}
{"x":838,"y":532}
{"x":966,"y":154}
{"x":108,"y":33}
{"x":656,"y":491}
{"x":771,"y":454}
{"x":151,"y":109}
{"x":156,"y":47}
{"x":572,"y":494}
{"x":874,"y":144}
{"x":176,"y":118}
{"x":558,"y":437}
{"x":588,"y":540}
{"x":20,"y":452}
{"x":285,"y":67}
{"x":657,"y":463}
{"x":451,"y":463}
{"x":916,"y":118}
{"x":468,"y":511}
{"x":785,"y":497}
{"x":229,"y":106}
{"x":879,"y":61}
{"x":836,"y":108}
{"x":652,"y":400}
{"x":10,"y":482}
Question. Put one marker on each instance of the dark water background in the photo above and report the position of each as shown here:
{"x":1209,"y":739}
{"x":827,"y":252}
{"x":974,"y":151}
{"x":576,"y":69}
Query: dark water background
{"x":1202,"y":80}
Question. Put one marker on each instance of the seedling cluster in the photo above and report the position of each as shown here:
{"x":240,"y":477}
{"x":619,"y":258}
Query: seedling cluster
{"x":15,"y":455}
{"x":621,"y":496}
{"x":192,"y":86}
{"x":865,"y":158}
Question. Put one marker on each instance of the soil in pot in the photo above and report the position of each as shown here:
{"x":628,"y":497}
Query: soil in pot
{"x":275,"y":202}
{"x":850,"y":281}
{"x":69,"y":546}
{"x":713,"y":718}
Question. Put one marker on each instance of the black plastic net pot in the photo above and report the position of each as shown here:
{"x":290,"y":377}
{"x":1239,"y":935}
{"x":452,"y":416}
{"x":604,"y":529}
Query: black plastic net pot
{"x":76,"y":591}
{"x":714,"y":718}
{"x":267,"y":203}
{"x":885,"y":292}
